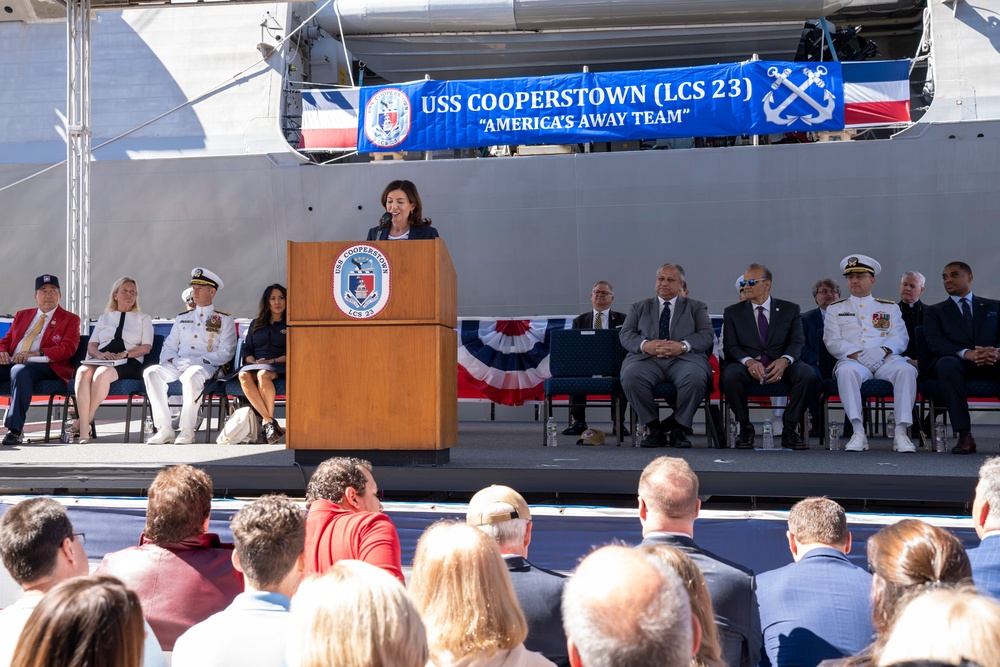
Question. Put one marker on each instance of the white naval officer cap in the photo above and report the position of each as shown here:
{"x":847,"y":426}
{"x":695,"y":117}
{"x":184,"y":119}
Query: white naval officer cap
{"x":860,"y":264}
{"x":739,"y":287}
{"x":202,"y":276}
{"x":187,"y":296}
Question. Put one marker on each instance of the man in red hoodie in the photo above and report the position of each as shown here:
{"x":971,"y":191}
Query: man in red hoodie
{"x":345,"y":519}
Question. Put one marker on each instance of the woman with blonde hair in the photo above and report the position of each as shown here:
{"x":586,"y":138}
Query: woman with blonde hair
{"x":462,"y":589}
{"x":710,"y":650}
{"x":83,"y":622}
{"x":947,"y":625}
{"x":122,"y":336}
{"x":355,"y":615}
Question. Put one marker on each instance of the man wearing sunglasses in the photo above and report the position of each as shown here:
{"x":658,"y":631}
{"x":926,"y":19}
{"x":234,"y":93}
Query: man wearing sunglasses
{"x":763,"y":343}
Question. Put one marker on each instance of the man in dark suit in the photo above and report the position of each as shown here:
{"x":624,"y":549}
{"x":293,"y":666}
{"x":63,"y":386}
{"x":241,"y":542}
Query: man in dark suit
{"x":599,"y":317}
{"x":962,"y":334}
{"x":985,"y":558}
{"x":501,"y":512}
{"x":668,"y":339}
{"x":763,"y":339}
{"x":668,"y":507}
{"x":818,"y":607}
{"x":825,"y":291}
{"x":45,"y":331}
{"x":911,"y":286}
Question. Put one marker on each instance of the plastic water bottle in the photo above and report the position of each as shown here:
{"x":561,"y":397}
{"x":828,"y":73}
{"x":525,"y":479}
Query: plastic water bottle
{"x":834,"y":437}
{"x":890,"y":427}
{"x":147,"y":428}
{"x":551,"y":431}
{"x":940,"y":439}
{"x":767,"y":431}
{"x":67,"y":431}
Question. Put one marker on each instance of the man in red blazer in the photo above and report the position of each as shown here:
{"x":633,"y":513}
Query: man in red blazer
{"x":56,"y":337}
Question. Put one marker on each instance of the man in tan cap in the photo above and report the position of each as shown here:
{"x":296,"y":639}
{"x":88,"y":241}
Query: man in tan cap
{"x":501,"y":512}
{"x":868,"y":337}
{"x":200,"y":341}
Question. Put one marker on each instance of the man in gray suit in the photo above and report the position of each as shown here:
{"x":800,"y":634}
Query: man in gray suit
{"x":668,"y":339}
{"x":668,"y":507}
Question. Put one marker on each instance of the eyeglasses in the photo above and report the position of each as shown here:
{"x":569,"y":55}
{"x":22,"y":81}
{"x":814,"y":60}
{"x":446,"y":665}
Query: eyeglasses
{"x":599,"y":292}
{"x":827,"y":290}
{"x":79,"y":537}
{"x":751,"y":282}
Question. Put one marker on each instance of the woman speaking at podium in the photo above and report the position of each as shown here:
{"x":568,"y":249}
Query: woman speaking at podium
{"x":403,"y":215}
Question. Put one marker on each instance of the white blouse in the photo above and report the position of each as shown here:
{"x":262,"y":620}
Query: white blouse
{"x":138,"y":329}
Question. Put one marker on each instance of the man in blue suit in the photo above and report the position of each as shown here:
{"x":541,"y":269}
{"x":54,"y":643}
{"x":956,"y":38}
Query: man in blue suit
{"x":962,"y":334}
{"x":814,"y":353}
{"x":819,"y":606}
{"x":985,"y":558}
{"x":502,"y":513}
{"x":668,"y":507}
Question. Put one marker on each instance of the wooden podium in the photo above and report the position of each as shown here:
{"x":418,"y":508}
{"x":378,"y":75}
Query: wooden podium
{"x":387,"y":382}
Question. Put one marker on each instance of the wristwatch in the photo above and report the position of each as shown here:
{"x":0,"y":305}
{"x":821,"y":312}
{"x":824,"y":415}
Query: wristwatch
{"x":685,"y":346}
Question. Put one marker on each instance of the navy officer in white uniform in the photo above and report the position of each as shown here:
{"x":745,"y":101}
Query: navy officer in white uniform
{"x":200,"y":341}
{"x":867,"y":336}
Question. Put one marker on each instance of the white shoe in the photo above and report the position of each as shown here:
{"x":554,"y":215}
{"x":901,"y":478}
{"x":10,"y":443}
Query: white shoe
{"x":185,"y":438}
{"x":902,"y":442}
{"x":162,"y":437}
{"x":857,"y":443}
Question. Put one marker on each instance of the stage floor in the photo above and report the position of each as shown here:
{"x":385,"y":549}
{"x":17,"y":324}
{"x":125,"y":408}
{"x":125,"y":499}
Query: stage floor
{"x":510,"y":452}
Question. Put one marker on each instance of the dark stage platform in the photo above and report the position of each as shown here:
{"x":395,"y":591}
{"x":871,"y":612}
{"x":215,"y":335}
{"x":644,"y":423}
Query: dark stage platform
{"x":511,"y":453}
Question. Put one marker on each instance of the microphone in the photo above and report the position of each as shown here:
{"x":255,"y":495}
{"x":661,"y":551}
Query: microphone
{"x":385,"y":220}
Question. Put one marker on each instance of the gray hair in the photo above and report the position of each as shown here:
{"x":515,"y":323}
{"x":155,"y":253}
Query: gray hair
{"x":506,"y":533}
{"x":637,"y":626}
{"x":989,"y":477}
{"x":611,"y":288}
{"x":916,"y":275}
{"x":826,"y":282}
{"x":761,"y":267}
{"x":670,"y":265}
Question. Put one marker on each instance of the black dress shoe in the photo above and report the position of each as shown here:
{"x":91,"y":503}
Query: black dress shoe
{"x":745,"y":439}
{"x":679,"y":438}
{"x":576,"y":429}
{"x":655,"y":438}
{"x":790,"y":439}
{"x":12,"y":438}
{"x":966,"y":444}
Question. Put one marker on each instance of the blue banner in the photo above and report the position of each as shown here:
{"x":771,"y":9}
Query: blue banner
{"x":718,"y":100}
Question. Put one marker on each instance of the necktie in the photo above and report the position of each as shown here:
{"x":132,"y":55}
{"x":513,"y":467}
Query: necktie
{"x":27,"y":343}
{"x":665,"y":321}
{"x":599,"y":321}
{"x":966,"y":312}
{"x":762,"y":328}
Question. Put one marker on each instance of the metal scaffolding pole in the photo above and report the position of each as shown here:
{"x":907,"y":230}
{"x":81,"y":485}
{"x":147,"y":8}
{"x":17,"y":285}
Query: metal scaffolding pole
{"x":78,"y":158}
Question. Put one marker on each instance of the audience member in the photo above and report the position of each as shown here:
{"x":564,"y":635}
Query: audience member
{"x":951,"y":626}
{"x":83,"y":622}
{"x":985,"y":559}
{"x":269,"y":534}
{"x":464,"y":594}
{"x":50,"y":335}
{"x":710,"y":650}
{"x":668,"y":507}
{"x":818,"y":607}
{"x":963,"y":336}
{"x":502,"y":513}
{"x":355,"y":615}
{"x":187,"y":296}
{"x":668,"y":339}
{"x":265,"y":343}
{"x":599,"y":317}
{"x":764,"y":347}
{"x":122,"y":332}
{"x":181,"y":573}
{"x":867,"y":337}
{"x":200,"y":341}
{"x":40,"y":549}
{"x":625,"y":608}
{"x":905,"y":559}
{"x":345,"y":519}
{"x":911,"y":286}
{"x":825,"y":291}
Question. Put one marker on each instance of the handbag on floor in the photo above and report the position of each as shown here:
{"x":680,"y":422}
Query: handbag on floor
{"x":242,"y":427}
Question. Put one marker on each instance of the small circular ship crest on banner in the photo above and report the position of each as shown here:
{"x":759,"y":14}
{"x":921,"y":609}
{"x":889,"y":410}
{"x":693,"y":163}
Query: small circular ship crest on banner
{"x":387,"y":118}
{"x":361,"y":281}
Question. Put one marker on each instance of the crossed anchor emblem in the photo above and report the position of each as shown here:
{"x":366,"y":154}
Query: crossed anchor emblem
{"x":823,"y":113}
